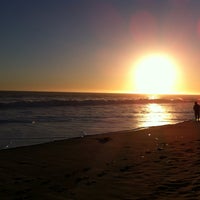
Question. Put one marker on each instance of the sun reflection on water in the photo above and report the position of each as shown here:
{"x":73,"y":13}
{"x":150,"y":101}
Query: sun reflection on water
{"x":155,"y":115}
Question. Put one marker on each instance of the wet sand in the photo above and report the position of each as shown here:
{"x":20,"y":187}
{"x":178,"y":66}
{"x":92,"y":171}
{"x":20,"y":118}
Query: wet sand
{"x":154,"y":163}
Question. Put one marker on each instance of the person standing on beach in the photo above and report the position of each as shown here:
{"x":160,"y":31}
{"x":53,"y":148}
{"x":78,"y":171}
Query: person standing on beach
{"x":196,"y":109}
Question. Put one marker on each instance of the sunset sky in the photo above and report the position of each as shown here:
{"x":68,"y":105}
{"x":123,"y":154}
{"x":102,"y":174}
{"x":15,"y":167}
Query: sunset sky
{"x":95,"y":45}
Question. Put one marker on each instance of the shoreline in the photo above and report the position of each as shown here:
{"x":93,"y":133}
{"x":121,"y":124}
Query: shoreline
{"x":160,"y":162}
{"x":61,"y":138}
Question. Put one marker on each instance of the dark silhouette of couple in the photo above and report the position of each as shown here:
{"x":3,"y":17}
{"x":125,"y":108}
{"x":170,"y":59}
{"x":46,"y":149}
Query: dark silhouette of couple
{"x":196,"y":109}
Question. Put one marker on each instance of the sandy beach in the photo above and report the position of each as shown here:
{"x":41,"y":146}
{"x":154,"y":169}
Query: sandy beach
{"x":153,"y":163}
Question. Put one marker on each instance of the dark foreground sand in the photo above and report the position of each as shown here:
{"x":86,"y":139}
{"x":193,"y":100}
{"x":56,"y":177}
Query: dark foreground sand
{"x":155,"y":163}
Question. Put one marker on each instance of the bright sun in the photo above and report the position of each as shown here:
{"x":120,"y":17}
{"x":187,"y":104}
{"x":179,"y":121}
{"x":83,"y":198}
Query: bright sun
{"x":155,"y":74}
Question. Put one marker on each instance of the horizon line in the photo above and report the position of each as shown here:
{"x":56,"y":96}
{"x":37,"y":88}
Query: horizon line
{"x":98,"y":92}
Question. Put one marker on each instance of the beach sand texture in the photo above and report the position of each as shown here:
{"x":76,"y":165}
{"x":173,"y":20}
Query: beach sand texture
{"x":154,"y":163}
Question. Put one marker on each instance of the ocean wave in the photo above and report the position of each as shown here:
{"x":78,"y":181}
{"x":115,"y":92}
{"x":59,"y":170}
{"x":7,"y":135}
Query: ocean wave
{"x":51,"y":103}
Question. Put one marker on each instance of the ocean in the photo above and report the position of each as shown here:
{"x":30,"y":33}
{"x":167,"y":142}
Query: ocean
{"x":28,"y":118}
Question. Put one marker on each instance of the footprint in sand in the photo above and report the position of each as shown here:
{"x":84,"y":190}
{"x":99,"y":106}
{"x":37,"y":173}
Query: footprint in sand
{"x":189,"y":150}
{"x":45,"y":182}
{"x":162,"y":157}
{"x":86,"y":169}
{"x":57,"y":188}
{"x":80,"y":179}
{"x":104,"y":140}
{"x":67,"y":175}
{"x":126,"y":168}
{"x":103,"y":173}
{"x":90,"y":183}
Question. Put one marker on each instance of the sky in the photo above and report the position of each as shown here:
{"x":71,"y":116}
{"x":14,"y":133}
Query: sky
{"x":93,"y":45}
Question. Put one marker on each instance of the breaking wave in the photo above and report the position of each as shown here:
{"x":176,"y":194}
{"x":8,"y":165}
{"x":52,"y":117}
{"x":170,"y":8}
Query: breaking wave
{"x":50,"y":103}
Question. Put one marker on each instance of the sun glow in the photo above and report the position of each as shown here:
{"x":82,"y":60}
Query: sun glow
{"x":155,"y":74}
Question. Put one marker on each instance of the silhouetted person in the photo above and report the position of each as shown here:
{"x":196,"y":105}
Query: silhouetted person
{"x":196,"y":109}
